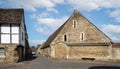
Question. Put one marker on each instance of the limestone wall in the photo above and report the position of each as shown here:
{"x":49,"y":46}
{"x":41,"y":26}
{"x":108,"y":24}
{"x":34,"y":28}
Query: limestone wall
{"x":97,"y":52}
{"x":45,"y":51}
{"x":116,"y":54}
{"x":91,"y":33}
{"x":12,"y":53}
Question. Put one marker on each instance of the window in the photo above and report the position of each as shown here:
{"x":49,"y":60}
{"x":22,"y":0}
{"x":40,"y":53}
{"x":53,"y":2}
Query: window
{"x":9,"y":33}
{"x":5,"y":38}
{"x":82,"y":36}
{"x":15,"y":38}
{"x":14,"y":33}
{"x":22,"y":36}
{"x":15,"y":29}
{"x":5,"y":28}
{"x":2,"y":51}
{"x":74,"y":23}
{"x":5,"y":33}
{"x":65,"y":37}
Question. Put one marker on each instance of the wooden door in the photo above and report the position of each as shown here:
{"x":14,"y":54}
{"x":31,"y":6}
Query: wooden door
{"x":61,"y":51}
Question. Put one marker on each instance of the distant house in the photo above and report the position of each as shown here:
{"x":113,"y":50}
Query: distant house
{"x":116,"y":51}
{"x":78,"y":38}
{"x":13,"y":35}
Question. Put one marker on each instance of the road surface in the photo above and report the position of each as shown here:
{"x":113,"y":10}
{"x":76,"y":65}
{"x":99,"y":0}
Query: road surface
{"x":41,"y":62}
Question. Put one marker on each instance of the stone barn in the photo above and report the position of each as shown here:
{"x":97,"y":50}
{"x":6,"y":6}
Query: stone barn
{"x":78,"y":38}
{"x":13,"y":35}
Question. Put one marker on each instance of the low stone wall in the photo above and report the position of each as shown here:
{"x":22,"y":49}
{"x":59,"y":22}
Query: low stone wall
{"x":13,"y":53}
{"x":45,"y":51}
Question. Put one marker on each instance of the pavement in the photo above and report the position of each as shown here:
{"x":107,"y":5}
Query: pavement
{"x":42,"y":62}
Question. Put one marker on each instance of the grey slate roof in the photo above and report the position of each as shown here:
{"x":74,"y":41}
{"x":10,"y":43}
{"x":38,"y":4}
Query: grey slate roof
{"x":11,"y":15}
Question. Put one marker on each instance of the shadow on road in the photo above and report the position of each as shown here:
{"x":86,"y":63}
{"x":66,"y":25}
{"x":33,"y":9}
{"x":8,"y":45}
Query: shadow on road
{"x":30,"y":57}
{"x":104,"y":67}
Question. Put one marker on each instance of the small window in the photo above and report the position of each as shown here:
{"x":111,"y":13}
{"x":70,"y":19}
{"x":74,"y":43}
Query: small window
{"x":14,"y":29}
{"x":15,"y":38}
{"x":22,"y":36}
{"x":5,"y":28}
{"x":65,"y":37}
{"x":82,"y":36}
{"x":2,"y":51}
{"x":74,"y":23}
{"x":5,"y":38}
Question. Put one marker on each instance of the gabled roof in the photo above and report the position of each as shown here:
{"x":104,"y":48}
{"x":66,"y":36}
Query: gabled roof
{"x":11,"y":15}
{"x":52,"y":37}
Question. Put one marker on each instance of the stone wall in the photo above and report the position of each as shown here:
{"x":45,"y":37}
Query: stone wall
{"x":116,"y":54}
{"x":45,"y":51}
{"x":63,"y":51}
{"x":97,"y":52}
{"x":91,"y":33}
{"x":13,"y":53}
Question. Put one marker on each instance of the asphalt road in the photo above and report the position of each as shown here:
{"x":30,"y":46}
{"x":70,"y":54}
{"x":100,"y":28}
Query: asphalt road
{"x":41,"y":62}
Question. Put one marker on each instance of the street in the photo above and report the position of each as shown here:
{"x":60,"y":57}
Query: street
{"x":41,"y":62}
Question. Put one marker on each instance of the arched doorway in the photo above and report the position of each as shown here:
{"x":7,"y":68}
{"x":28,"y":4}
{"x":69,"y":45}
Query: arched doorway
{"x":61,"y":51}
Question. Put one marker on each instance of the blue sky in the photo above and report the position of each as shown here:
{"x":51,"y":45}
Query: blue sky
{"x":43,"y":17}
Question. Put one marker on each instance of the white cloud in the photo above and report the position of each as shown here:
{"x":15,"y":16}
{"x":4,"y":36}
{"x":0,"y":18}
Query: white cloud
{"x":44,"y":30}
{"x":41,"y":15}
{"x":52,"y":10}
{"x":49,"y":25}
{"x":58,"y":1}
{"x":86,"y":5}
{"x":36,"y":42}
{"x":115,"y":14}
{"x":113,"y":31}
{"x":30,"y":5}
{"x":89,"y":5}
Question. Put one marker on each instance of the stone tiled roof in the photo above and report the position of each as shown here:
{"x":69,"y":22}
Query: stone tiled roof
{"x":115,"y":45}
{"x":11,"y":15}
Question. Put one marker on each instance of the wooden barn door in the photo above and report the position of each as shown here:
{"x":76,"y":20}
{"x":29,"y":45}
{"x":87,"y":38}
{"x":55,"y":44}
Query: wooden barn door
{"x":61,"y":51}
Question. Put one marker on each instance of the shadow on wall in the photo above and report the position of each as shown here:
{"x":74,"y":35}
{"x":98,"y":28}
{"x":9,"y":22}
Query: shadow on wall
{"x":104,"y":67}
